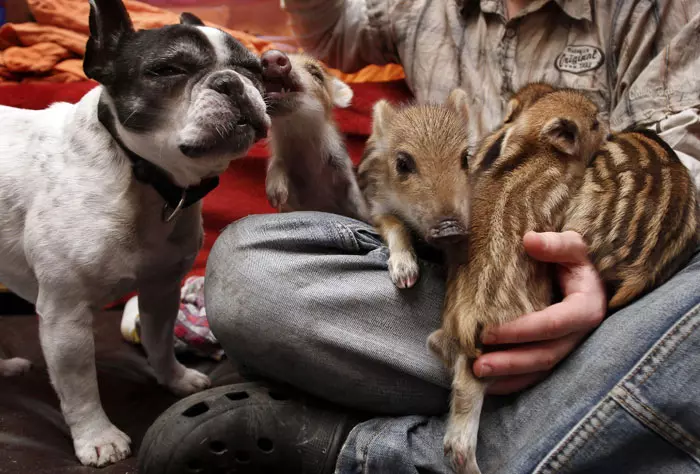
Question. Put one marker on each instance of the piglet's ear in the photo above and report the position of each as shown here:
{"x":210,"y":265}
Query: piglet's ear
{"x":458,"y":101}
{"x":109,"y":24}
{"x":562,"y":134}
{"x":513,"y":108}
{"x":382,"y":115}
{"x":187,"y":18}
{"x":342,"y":93}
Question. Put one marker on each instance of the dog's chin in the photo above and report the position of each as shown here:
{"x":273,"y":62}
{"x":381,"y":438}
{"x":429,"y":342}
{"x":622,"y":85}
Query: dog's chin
{"x":238,"y":142}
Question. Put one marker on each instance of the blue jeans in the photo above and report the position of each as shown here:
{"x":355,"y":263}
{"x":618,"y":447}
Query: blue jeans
{"x":306,"y":299}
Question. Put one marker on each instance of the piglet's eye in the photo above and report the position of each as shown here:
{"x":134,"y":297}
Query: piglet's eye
{"x":317,"y":75}
{"x":465,"y":160}
{"x":405,"y":164}
{"x":315,"y":72}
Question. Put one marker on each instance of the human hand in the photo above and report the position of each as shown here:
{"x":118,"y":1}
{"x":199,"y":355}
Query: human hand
{"x":546,"y":337}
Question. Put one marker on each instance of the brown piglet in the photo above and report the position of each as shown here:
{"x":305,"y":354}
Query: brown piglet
{"x":523,"y":178}
{"x":637,"y":211}
{"x":414,"y":175}
{"x":309,"y":167}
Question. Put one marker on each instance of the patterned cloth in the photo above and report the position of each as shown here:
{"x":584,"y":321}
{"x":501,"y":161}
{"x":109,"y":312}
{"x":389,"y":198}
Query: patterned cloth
{"x":192,"y":333}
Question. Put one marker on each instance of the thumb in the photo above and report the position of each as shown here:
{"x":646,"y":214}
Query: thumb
{"x":556,"y":247}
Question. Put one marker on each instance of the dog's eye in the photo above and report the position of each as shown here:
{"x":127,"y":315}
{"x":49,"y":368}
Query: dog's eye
{"x":405,"y":164}
{"x":166,"y":70}
{"x":255,"y":68}
{"x":595,"y":125}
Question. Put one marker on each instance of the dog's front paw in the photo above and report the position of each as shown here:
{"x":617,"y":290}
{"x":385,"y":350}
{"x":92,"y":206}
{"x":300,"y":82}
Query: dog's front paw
{"x":14,"y":367}
{"x":403,"y":269}
{"x":104,"y":447}
{"x":189,"y":382}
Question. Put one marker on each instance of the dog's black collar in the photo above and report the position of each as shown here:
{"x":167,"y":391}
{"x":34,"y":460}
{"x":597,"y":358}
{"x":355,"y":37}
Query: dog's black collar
{"x":176,"y":197}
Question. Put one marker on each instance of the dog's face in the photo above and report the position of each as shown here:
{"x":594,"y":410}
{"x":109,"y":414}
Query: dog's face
{"x":186,"y":97}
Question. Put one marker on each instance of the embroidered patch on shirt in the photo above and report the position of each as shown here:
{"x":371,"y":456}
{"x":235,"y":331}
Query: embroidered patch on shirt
{"x":578,"y":59}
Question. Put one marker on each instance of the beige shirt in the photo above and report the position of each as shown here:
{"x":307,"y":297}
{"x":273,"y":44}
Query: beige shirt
{"x":638,"y":59}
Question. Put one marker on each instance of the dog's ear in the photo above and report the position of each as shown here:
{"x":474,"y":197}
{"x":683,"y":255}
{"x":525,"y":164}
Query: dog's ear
{"x":109,"y":24}
{"x":188,"y":18}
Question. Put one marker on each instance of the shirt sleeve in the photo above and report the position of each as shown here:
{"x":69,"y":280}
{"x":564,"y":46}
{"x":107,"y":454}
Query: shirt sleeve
{"x":345,"y":34}
{"x":682,"y":133}
{"x":657,"y":75}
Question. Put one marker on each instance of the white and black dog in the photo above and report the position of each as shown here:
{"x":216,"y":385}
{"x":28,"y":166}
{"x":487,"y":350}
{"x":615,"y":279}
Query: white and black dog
{"x":103,"y":197}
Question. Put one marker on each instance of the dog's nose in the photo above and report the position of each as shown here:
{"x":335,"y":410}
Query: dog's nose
{"x":275,"y":64}
{"x":230,"y":85}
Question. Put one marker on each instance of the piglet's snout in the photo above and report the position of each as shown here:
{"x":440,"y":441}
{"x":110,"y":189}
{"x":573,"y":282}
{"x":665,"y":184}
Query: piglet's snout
{"x":447,"y":231}
{"x":275,"y":64}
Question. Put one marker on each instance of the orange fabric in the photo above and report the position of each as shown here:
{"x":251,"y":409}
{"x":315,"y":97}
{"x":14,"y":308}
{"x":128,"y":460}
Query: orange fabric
{"x":38,"y":58}
{"x":27,"y":34}
{"x":40,"y":51}
{"x":56,"y":76}
{"x":71,"y":66}
{"x":388,"y":73}
{"x":73,"y":15}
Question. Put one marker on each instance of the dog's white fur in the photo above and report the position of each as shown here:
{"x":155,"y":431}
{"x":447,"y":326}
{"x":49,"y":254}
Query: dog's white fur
{"x":184,"y":125}
{"x":77,"y":231}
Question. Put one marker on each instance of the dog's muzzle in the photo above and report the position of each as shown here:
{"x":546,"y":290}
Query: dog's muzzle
{"x":226,"y":116}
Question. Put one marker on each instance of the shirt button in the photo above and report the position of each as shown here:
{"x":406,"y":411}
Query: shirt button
{"x":510,"y":32}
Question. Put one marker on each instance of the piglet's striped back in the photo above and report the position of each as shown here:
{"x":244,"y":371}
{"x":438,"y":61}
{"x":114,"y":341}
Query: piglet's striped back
{"x":637,"y":211}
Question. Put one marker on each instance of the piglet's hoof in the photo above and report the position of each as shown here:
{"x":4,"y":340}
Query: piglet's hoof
{"x":403,"y":269}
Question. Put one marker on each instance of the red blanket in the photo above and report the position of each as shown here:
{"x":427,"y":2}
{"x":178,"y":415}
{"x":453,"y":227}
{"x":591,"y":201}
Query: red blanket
{"x":242,"y":188}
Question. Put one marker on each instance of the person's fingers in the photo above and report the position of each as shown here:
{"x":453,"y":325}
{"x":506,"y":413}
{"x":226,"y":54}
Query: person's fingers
{"x":556,"y":247}
{"x":576,"y":313}
{"x":508,"y":385}
{"x":525,"y":359}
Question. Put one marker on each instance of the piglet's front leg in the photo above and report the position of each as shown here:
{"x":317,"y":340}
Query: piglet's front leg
{"x":456,"y":343}
{"x":463,"y":318}
{"x":277,"y":184}
{"x":403,"y":264}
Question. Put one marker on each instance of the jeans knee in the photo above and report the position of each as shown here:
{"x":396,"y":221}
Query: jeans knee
{"x":238,"y":273}
{"x":254,"y":272}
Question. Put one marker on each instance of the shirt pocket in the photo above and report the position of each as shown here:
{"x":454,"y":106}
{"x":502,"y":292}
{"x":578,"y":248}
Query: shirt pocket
{"x":569,"y":55}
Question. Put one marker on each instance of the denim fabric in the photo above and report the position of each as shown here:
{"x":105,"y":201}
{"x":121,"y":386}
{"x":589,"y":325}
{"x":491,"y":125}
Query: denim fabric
{"x":305,"y":298}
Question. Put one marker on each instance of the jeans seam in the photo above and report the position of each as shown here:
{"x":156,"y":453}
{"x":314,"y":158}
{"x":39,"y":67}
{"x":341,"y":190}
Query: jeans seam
{"x":569,"y":446}
{"x":365,"y":449}
{"x":346,"y":237}
{"x":566,"y":448}
{"x":663,"y":348}
{"x":668,"y":430}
